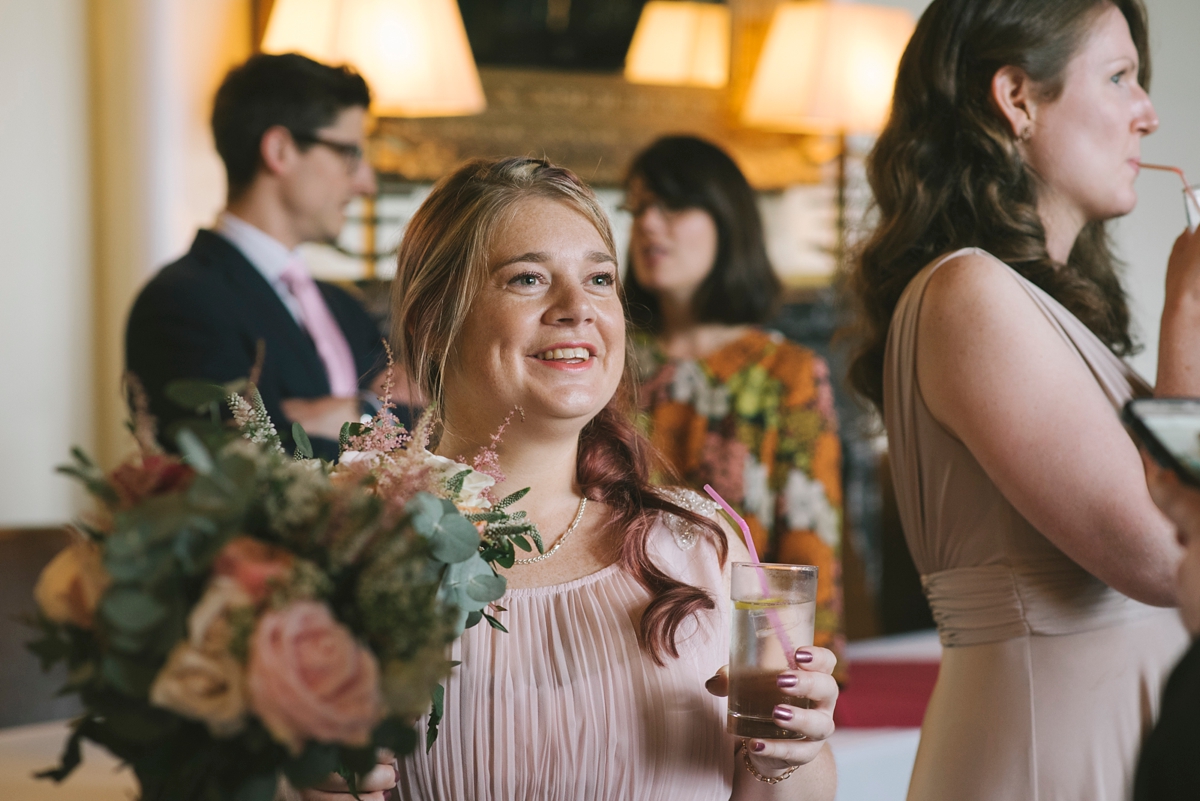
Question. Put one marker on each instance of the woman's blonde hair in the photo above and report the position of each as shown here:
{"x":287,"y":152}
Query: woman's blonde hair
{"x":443,"y":259}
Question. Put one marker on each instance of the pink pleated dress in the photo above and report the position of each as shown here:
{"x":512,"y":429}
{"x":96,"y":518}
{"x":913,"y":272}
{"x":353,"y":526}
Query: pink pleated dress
{"x":567,"y":707}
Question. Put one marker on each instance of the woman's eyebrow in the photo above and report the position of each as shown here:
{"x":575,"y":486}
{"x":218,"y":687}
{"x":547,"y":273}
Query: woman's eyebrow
{"x":536,"y":257}
{"x":539,"y":257}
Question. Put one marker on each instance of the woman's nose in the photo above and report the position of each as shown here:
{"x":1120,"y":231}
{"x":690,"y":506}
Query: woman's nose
{"x":571,"y":305}
{"x":1146,"y":120}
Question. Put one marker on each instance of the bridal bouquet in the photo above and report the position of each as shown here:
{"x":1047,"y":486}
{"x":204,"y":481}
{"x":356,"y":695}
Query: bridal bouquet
{"x":238,"y":613}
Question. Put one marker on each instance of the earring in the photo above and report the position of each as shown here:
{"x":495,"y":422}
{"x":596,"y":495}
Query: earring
{"x":1026,"y":133}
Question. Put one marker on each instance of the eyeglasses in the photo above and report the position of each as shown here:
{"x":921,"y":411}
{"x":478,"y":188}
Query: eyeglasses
{"x":638,"y":207}
{"x":351,"y":153}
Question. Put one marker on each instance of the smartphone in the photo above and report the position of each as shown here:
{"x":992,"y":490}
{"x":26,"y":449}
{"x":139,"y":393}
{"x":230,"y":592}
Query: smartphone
{"x":1169,"y":430}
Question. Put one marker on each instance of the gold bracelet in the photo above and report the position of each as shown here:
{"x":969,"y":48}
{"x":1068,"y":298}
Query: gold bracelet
{"x":754,"y":772}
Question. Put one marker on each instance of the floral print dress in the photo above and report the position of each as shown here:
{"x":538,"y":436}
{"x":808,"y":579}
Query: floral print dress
{"x":756,"y":420}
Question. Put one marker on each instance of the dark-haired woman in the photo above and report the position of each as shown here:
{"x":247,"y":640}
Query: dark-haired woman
{"x":606,"y":685}
{"x":725,"y":401}
{"x":993,"y":327}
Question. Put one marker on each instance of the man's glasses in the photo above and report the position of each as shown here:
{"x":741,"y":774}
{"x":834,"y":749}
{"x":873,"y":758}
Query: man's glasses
{"x":351,"y":153}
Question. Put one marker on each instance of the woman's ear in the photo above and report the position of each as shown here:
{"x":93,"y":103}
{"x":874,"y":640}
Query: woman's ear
{"x":1012,"y":92}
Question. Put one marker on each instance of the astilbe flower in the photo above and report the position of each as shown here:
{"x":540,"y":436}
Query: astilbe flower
{"x":487,"y":461}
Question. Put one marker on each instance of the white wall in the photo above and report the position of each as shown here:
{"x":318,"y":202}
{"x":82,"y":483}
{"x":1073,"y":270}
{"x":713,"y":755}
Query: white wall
{"x":45,"y":242}
{"x":1145,"y":237}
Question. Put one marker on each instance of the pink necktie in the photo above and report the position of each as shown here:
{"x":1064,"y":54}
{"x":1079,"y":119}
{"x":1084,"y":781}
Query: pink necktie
{"x":326,"y":335}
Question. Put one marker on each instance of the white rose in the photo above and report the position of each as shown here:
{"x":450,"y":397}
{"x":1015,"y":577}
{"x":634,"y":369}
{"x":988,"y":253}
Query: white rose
{"x":474,"y":485}
{"x":368,"y":458}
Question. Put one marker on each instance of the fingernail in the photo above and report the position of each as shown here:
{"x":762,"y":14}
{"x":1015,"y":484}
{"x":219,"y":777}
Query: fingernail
{"x":803,"y":657}
{"x":787,"y":680}
{"x":782,"y":712}
{"x":758,"y":747}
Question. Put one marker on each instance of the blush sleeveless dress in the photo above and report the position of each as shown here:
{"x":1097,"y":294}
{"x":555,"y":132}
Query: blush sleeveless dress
{"x":1050,"y":679}
{"x":567,"y":706}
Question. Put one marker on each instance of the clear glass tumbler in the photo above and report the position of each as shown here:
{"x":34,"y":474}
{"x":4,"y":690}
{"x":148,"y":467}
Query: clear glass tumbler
{"x":774,"y":607}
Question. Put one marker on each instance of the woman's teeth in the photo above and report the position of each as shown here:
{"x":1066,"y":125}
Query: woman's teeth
{"x":565,"y":354}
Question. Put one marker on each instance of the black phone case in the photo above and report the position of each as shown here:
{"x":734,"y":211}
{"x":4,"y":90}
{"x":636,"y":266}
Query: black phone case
{"x":1154,"y":446}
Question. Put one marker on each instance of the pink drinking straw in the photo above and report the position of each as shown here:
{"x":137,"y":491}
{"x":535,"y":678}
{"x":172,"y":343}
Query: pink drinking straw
{"x":1186,"y":186}
{"x":772,"y":615}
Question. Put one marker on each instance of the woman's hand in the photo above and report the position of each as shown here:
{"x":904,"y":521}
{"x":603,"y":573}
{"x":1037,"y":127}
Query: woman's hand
{"x":1178,"y":362}
{"x":373,"y":786}
{"x":813,"y":681}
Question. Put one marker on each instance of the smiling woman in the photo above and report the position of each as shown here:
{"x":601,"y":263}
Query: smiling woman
{"x":507,"y":302}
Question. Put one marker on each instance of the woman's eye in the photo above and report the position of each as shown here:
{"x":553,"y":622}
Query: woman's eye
{"x":603,"y":279}
{"x":1117,"y":78}
{"x":524,"y":279}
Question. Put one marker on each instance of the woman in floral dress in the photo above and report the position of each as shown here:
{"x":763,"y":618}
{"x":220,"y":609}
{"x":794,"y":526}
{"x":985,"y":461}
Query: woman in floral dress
{"x":725,"y":401}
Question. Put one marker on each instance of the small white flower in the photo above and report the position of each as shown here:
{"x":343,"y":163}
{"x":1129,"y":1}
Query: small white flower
{"x":809,"y":508}
{"x":757,"y":498}
{"x":691,"y":385}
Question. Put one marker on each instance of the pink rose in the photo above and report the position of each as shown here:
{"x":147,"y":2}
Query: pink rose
{"x":309,"y":678}
{"x":255,"y":565}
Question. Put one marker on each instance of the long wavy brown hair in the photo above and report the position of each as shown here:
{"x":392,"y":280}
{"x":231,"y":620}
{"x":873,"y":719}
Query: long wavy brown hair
{"x":442,"y":264}
{"x":946,"y":172}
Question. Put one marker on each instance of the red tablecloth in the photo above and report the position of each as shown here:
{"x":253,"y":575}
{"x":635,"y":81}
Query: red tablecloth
{"x":886,"y":693}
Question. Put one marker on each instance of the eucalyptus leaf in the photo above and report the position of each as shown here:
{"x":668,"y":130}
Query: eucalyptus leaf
{"x":473,"y":619}
{"x":130,"y":610}
{"x":194,"y":452}
{"x":424,"y":511}
{"x":454,"y":539}
{"x":304,"y":448}
{"x":195,"y":395}
{"x":486,"y":589}
{"x":260,"y":787}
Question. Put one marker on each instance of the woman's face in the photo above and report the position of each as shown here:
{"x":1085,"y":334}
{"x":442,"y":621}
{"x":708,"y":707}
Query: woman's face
{"x":1086,"y":144}
{"x":547,"y":330}
{"x":673,"y":251}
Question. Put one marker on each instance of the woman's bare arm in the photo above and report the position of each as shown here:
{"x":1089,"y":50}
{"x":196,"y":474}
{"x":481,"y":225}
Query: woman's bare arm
{"x":995,"y":372}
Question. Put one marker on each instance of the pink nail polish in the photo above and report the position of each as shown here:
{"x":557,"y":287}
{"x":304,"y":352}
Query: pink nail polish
{"x":803,"y":657}
{"x":786,"y":681}
{"x":758,"y":747}
{"x":782,"y":712}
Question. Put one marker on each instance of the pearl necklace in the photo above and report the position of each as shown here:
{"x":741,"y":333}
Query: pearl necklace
{"x":574,"y":525}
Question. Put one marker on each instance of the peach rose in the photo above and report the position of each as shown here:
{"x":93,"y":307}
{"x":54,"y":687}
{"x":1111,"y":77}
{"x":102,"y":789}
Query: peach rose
{"x":255,"y":565}
{"x":310,"y":679}
{"x":70,"y":586}
{"x":204,"y":686}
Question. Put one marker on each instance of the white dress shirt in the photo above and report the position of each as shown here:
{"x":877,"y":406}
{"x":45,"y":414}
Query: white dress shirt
{"x":265,"y":252}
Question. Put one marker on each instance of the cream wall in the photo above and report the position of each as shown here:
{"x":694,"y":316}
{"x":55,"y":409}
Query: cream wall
{"x":108,"y":169}
{"x":45,"y":238}
{"x":155,"y":66}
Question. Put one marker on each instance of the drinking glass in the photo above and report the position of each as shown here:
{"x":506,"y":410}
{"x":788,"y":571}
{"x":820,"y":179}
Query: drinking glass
{"x":1189,"y":203}
{"x":774,"y":607}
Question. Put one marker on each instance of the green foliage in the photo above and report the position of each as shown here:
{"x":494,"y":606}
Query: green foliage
{"x":435,"y":716}
{"x":304,"y":449}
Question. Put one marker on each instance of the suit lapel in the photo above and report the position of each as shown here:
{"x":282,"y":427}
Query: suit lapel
{"x":270,"y":314}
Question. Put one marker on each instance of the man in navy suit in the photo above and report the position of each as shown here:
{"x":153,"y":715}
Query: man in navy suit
{"x":291,"y":134}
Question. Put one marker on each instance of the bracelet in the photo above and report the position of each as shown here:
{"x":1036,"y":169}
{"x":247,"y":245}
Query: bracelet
{"x":754,"y":771}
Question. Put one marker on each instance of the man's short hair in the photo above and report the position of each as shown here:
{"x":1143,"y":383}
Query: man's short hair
{"x":290,"y":90}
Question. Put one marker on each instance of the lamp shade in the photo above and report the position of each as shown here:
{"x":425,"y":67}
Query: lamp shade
{"x":680,"y":44}
{"x":413,"y":53}
{"x":828,"y":67}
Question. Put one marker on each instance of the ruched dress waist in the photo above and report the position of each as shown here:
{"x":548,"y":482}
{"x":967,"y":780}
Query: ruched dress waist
{"x":991,"y":603}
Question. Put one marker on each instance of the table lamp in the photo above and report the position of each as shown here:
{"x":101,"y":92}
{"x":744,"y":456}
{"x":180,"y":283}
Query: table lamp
{"x":680,"y":43}
{"x":828,"y":68}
